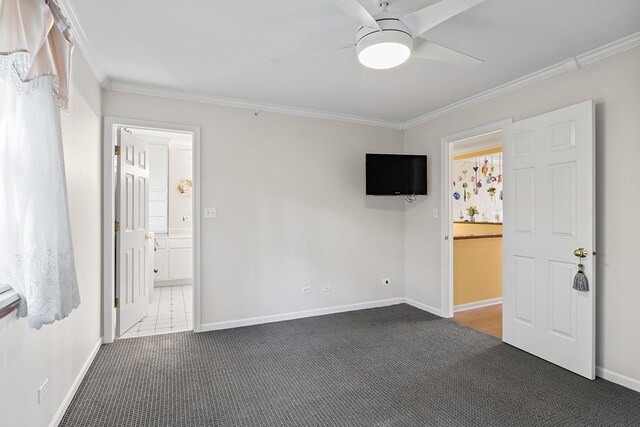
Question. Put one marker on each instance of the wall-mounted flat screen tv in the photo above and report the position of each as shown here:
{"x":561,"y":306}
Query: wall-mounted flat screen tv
{"x":396,"y":174}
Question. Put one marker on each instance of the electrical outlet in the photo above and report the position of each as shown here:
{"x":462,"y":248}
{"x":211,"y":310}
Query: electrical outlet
{"x":42,"y":391}
{"x":386,"y":282}
{"x":327,"y":288}
{"x":305,"y":290}
{"x":210,"y":213}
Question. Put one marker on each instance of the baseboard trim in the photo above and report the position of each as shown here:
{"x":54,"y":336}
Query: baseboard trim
{"x":57,"y":418}
{"x":617,"y":378}
{"x":299,"y":314}
{"x":424,"y":307}
{"x":477,"y":304}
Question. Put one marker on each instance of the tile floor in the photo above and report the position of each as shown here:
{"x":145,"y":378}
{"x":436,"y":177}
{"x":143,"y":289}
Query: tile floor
{"x":170,"y":311}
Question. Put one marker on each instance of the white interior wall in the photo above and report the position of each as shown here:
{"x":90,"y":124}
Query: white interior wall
{"x":615,"y":87}
{"x":291,"y":209}
{"x":59,"y":351}
{"x":180,"y":205}
{"x":158,"y":191}
{"x":489,"y":207}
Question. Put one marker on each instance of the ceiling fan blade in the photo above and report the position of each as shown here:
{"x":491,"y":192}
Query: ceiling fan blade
{"x":429,"y":50}
{"x":427,"y":18}
{"x":310,"y":53}
{"x":357,"y":12}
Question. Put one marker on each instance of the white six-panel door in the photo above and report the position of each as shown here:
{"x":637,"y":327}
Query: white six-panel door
{"x":549,"y":211}
{"x":133,"y":259}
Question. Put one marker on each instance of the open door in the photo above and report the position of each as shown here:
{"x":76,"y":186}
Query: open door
{"x":133,"y":262}
{"x":549,"y":211}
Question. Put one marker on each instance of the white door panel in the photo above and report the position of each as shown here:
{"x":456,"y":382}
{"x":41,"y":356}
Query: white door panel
{"x":549,"y":211}
{"x":133,"y":252}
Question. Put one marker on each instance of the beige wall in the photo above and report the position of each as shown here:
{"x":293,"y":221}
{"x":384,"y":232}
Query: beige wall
{"x":477,"y":270}
{"x":614,"y":85}
{"x":59,"y":351}
{"x":477,"y":263}
{"x":291,"y":209}
{"x":466,"y":228}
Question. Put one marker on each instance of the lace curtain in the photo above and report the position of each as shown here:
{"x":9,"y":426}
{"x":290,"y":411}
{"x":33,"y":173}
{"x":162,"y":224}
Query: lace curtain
{"x":36,"y":254}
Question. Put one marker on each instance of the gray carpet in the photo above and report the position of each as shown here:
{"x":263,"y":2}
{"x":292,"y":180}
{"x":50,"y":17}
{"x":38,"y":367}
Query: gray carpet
{"x":393,"y":366}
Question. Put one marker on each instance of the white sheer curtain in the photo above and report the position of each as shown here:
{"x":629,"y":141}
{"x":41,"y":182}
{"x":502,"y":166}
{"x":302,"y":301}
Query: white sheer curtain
{"x":36,"y":254}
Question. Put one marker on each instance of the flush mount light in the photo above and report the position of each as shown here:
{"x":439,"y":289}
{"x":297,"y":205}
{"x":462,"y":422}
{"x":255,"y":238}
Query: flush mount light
{"x":385,"y":48}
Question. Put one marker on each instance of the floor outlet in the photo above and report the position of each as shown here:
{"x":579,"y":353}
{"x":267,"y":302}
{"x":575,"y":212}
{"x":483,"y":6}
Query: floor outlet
{"x":42,"y":391}
{"x":305,"y":290}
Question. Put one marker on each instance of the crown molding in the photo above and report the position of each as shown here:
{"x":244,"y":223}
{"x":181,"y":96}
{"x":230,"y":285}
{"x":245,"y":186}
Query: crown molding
{"x":80,"y":39}
{"x":571,"y":64}
{"x":181,"y":95}
{"x":618,"y":46}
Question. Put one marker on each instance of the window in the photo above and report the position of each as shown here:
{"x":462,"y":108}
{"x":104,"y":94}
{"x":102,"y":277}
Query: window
{"x":9,"y":300}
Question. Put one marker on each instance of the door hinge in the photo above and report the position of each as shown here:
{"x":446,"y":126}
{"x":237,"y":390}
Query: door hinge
{"x":116,"y":226}
{"x":116,"y":303}
{"x":117,"y":150}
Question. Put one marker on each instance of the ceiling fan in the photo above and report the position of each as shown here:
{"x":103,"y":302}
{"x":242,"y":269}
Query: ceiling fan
{"x":385,"y":40}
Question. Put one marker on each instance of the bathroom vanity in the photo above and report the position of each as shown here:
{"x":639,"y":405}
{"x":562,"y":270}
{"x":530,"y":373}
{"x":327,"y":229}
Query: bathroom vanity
{"x":173,"y":261}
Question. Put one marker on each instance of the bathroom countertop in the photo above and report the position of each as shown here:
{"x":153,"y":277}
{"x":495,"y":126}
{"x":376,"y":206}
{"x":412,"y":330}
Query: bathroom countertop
{"x":173,"y":236}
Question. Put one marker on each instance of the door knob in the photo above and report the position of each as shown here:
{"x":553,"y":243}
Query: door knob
{"x":148,"y":236}
{"x":580,"y":252}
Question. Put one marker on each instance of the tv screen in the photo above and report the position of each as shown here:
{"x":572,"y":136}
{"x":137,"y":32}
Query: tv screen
{"x":396,"y":174}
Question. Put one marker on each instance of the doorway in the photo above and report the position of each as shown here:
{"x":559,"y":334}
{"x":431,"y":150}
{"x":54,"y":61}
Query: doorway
{"x":464,"y":144}
{"x":170,"y":228}
{"x":548,"y":232}
{"x":476,"y":194}
{"x":152,"y":256}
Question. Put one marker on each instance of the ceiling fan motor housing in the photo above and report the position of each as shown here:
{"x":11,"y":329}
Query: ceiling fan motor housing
{"x":392,"y":32}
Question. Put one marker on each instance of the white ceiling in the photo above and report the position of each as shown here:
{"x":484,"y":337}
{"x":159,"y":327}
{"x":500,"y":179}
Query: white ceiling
{"x":223,"y":48}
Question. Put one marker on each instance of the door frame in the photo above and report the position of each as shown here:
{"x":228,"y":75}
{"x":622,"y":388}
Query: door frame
{"x":110,"y":124}
{"x":446,"y":218}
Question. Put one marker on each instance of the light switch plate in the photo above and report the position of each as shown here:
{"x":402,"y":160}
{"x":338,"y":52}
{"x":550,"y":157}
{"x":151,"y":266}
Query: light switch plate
{"x":210,"y":213}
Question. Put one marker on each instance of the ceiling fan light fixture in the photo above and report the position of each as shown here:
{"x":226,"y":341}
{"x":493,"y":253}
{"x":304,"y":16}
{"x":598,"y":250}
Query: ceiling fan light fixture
{"x":385,"y":48}
{"x":382,"y":56}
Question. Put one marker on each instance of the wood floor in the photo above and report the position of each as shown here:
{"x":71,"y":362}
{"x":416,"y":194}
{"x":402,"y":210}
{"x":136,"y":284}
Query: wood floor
{"x":485,"y":319}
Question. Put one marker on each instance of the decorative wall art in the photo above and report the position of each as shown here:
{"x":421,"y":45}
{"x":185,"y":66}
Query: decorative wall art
{"x":477,"y":182}
{"x":184,"y":186}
